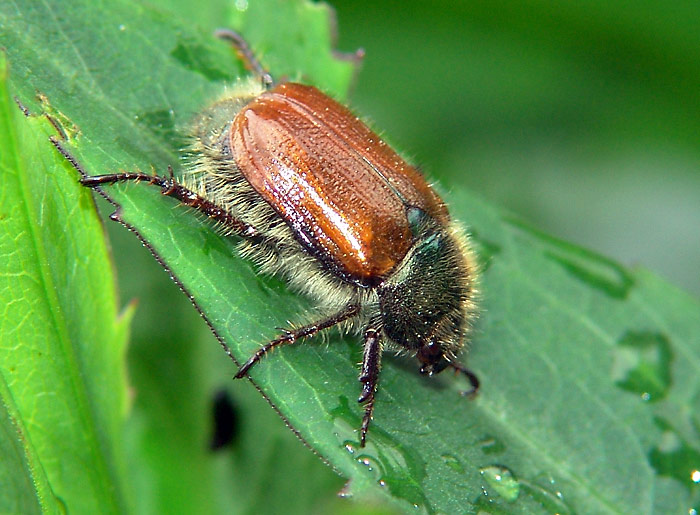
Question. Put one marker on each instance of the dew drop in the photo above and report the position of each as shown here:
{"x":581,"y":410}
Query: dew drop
{"x":397,"y":468}
{"x":344,"y":492}
{"x":350,"y":447}
{"x":502,"y":481}
{"x":484,"y":503}
{"x":674,"y":456}
{"x":490,"y":445}
{"x":642,"y":365}
{"x":595,"y":271}
{"x":452,"y":462}
{"x":372,"y":465}
{"x":550,"y":497}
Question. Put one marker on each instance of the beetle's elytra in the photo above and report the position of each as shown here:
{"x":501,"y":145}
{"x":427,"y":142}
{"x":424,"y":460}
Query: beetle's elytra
{"x":320,"y":199}
{"x":345,"y":199}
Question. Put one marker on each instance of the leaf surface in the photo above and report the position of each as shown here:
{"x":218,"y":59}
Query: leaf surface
{"x":588,"y":369}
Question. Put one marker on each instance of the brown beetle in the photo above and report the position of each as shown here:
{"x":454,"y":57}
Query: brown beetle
{"x":321,"y":200}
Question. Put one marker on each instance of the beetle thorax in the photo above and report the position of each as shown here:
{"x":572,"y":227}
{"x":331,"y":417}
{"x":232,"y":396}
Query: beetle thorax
{"x":428,"y":300}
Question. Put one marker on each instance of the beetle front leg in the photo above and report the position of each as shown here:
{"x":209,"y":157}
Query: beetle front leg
{"x":293,"y":335}
{"x":471,"y":376}
{"x":371,"y":363}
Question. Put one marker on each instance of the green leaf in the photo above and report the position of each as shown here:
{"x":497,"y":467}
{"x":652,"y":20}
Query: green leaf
{"x":63,"y":385}
{"x":590,"y":371}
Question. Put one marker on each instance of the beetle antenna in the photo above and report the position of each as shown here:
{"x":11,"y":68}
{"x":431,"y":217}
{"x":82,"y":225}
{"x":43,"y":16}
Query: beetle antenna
{"x":246,"y":54}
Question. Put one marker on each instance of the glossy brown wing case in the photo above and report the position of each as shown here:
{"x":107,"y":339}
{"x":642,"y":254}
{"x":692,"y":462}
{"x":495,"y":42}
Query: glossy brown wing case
{"x":325,"y":172}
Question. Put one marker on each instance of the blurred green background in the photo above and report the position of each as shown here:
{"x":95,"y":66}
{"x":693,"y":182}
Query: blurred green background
{"x":581,"y":117}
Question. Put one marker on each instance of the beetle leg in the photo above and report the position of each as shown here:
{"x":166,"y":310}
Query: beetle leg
{"x":246,"y":54}
{"x":371,"y":363}
{"x":169,"y":187}
{"x":292,"y":336}
{"x":471,"y":376}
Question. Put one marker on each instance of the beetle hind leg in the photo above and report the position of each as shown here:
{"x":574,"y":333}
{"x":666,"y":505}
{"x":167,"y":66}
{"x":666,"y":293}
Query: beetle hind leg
{"x":246,"y":54}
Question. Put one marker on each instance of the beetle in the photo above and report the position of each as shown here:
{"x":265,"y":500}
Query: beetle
{"x":316,"y":197}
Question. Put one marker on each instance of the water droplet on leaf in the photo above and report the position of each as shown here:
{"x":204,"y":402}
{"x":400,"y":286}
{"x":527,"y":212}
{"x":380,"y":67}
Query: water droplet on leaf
{"x":642,"y":364}
{"x":502,"y":481}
